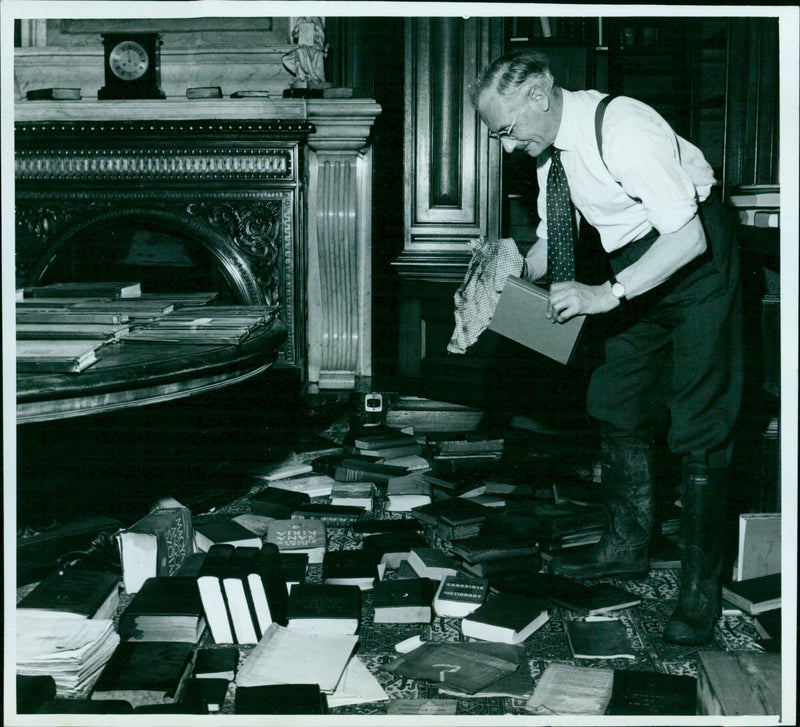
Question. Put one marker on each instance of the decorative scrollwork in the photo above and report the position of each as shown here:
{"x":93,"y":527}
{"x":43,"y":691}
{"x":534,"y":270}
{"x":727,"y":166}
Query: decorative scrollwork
{"x":255,"y":228}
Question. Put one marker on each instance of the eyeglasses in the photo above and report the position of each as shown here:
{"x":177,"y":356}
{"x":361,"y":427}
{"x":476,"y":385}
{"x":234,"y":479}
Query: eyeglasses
{"x":506,"y":133}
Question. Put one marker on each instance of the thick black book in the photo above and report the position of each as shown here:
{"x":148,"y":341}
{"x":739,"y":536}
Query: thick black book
{"x":493,"y":547}
{"x":451,"y":511}
{"x":517,"y":568}
{"x":351,"y":568}
{"x":364,"y":528}
{"x":212,"y":592}
{"x":145,"y":672}
{"x":294,"y":567}
{"x":404,"y":601}
{"x":166,"y":608}
{"x":602,"y":638}
{"x":206,"y":695}
{"x":324,"y":608}
{"x":592,"y":600}
{"x":281,"y":699}
{"x":216,"y":663}
{"x":755,"y":595}
{"x":277,"y":503}
{"x":506,"y":618}
{"x":327,"y":463}
{"x":53,"y":94}
{"x":89,"y":593}
{"x":652,"y":693}
{"x":334,"y":516}
{"x":266,"y":581}
{"x":391,"y":548}
{"x":360,"y":470}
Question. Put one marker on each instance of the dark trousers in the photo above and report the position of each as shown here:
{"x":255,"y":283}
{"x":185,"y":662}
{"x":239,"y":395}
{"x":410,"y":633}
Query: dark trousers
{"x":674,"y":360}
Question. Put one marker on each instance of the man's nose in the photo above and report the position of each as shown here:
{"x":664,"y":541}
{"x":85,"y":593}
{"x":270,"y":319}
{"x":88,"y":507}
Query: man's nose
{"x":509,"y":144}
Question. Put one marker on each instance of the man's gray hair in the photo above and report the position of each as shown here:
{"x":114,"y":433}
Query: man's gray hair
{"x":508,"y":72}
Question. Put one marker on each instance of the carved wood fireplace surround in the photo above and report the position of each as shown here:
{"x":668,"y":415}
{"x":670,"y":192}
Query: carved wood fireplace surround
{"x":276,"y":194}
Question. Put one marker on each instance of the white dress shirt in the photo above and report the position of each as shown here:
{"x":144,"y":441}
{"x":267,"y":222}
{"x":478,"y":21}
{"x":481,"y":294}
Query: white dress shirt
{"x":656,"y":178}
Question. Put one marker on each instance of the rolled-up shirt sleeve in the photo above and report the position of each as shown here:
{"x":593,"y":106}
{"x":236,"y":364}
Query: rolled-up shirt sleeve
{"x":645,"y":155}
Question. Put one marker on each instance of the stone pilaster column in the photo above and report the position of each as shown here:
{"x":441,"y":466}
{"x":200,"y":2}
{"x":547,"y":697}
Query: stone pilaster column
{"x":339,"y":251}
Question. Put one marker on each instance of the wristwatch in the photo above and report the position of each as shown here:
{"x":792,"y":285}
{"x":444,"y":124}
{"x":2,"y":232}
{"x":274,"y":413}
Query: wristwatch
{"x":617,"y":289}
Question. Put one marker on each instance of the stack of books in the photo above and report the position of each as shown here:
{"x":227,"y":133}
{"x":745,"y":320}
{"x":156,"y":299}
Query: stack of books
{"x":381,"y":442}
{"x":451,"y":519}
{"x":488,"y":556}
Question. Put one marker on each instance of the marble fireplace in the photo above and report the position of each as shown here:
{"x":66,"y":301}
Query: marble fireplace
{"x":265,"y":200}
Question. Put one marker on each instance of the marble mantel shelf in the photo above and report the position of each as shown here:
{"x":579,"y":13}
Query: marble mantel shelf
{"x":338,"y":199}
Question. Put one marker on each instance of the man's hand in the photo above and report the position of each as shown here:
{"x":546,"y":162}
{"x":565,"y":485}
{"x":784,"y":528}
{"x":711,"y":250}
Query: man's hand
{"x":570,"y":299}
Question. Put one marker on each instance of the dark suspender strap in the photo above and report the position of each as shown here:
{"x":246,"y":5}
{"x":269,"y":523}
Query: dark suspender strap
{"x":598,"y":123}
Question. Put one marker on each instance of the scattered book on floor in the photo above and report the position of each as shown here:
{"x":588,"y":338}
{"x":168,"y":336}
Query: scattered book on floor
{"x":506,"y":618}
{"x":366,"y":470}
{"x":411,"y":462}
{"x":458,"y":596}
{"x":364,"y":528}
{"x":432,"y":563}
{"x":294,"y":566}
{"x":277,"y":503}
{"x":768,"y":624}
{"x":321,"y":608}
{"x":266,"y":584}
{"x":326,"y":464}
{"x":156,"y":545}
{"x":591,"y":600}
{"x":145,"y":672}
{"x":357,"y":686}
{"x":354,"y":494}
{"x":463,"y":666}
{"x":424,"y":707}
{"x":239,"y":598}
{"x":517,"y":684}
{"x":256,"y":524}
{"x":59,"y":357}
{"x":397,"y":451}
{"x":755,"y":595}
{"x":379,"y":436}
{"x":165,"y":608}
{"x":225,"y":530}
{"x":461,"y":443}
{"x":650,"y":693}
{"x":70,"y":331}
{"x":759,"y":551}
{"x":216,"y":663}
{"x":571,"y":690}
{"x":207,"y":696}
{"x":403,"y":601}
{"x":493,"y":547}
{"x":351,"y":568}
{"x":83,"y":593}
{"x":290,"y":468}
{"x":517,"y":567}
{"x":71,"y":650}
{"x":392,"y":547}
{"x":407,"y":492}
{"x":287,"y":656}
{"x":212,"y":592}
{"x":280,"y":699}
{"x":311,"y":485}
{"x":85,"y":290}
{"x":741,"y":683}
{"x":599,"y":637}
{"x":53,"y":94}
{"x":299,"y":536}
{"x":451,"y":511}
{"x":333,"y":516}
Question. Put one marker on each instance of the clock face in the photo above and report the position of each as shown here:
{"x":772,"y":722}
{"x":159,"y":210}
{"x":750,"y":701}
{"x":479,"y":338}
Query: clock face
{"x":128,"y":60}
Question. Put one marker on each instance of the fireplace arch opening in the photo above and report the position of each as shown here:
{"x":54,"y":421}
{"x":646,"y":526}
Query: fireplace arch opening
{"x":166,"y":251}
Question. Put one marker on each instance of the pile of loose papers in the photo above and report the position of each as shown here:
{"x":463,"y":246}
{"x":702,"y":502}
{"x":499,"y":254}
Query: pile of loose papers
{"x":71,"y":649}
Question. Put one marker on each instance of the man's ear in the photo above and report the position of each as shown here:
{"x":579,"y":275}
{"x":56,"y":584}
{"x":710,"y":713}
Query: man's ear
{"x":539,"y":97}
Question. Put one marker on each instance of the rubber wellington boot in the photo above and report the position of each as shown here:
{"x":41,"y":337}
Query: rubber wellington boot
{"x":628,"y":486}
{"x":703,"y":501}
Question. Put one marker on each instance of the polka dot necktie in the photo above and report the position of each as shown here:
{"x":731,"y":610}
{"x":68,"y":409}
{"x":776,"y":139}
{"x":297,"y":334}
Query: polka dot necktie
{"x":560,"y":223}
